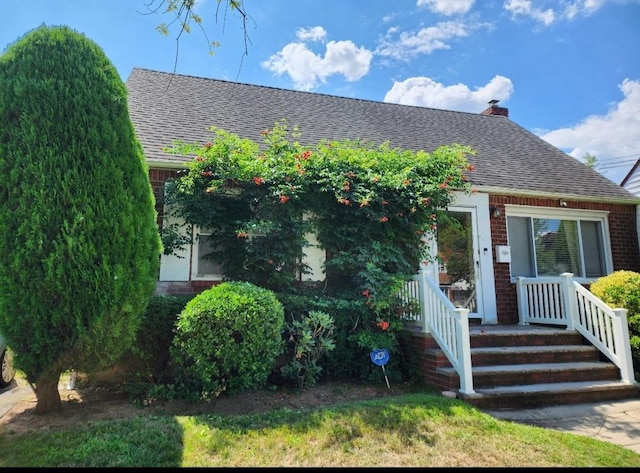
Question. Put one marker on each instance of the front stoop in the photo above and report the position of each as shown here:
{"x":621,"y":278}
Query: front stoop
{"x":519,"y":367}
{"x":552,"y":394}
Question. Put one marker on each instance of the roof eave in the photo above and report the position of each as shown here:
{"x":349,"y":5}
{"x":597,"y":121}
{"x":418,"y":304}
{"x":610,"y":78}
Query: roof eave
{"x":557,"y":195}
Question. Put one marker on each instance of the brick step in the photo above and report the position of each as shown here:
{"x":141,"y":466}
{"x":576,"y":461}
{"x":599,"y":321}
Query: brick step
{"x":517,"y":338}
{"x":517,"y":367}
{"x":527,"y":354}
{"x":541,"y":395}
{"x":539,"y":373}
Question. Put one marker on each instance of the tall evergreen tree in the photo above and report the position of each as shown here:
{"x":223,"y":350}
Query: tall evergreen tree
{"x":79,"y":245}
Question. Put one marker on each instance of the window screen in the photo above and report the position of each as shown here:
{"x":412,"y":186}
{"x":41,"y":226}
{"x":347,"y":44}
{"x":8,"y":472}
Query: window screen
{"x":205,"y":265}
{"x":552,"y":246}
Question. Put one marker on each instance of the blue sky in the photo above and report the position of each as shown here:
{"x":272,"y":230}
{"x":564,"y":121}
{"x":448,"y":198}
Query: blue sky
{"x":567,"y":70}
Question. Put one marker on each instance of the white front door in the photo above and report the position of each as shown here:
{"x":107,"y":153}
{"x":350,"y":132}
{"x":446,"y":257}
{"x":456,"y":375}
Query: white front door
{"x":464,"y":264}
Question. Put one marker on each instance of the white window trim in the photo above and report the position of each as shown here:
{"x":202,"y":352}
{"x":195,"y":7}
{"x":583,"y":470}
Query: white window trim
{"x":601,"y":216}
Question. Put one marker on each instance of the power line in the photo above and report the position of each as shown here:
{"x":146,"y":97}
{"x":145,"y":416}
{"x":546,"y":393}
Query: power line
{"x":618,"y":157}
{"x":616,"y":165}
{"x":615,"y":162}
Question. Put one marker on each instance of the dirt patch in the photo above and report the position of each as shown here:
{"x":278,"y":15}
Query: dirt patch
{"x":83,"y":405}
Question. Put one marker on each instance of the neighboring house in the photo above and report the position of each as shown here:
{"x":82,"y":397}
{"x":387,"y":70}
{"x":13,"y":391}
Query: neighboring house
{"x":631,"y":181}
{"x":536,"y":210}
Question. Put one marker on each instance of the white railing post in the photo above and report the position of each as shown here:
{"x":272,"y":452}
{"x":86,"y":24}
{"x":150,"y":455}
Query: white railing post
{"x":621,"y":331}
{"x":422,"y":291}
{"x":569,"y":300}
{"x":464,"y":354}
{"x":523,"y":306}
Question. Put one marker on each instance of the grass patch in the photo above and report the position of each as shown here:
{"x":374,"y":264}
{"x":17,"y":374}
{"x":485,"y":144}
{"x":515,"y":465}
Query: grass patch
{"x":412,"y":430}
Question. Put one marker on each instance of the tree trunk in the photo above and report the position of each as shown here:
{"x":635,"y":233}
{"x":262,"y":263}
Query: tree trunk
{"x":47,"y":394}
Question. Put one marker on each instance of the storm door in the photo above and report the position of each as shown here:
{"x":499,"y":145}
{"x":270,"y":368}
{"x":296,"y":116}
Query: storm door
{"x":458,"y":259}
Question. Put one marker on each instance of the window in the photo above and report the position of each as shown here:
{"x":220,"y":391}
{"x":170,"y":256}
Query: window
{"x":548,"y":242}
{"x":204,"y":265}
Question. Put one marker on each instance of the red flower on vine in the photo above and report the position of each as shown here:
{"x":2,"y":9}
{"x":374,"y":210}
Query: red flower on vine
{"x":242,"y":235}
{"x":383,"y":324}
{"x":208,"y":144}
{"x":366,"y":293}
{"x":284,"y":199}
{"x":206,"y":173}
{"x":384,"y":218}
{"x":258,"y":180}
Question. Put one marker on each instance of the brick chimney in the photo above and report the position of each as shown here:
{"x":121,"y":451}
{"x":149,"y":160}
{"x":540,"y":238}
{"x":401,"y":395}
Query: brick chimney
{"x":495,"y":110}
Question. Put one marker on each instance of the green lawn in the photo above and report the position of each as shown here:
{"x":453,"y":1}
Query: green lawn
{"x":411,"y":430}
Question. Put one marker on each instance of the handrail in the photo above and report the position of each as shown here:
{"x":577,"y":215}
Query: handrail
{"x":448,"y":325}
{"x":563,"y":301}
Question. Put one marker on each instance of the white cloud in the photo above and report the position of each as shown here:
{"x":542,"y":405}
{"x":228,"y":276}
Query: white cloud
{"x":425,"y":41}
{"x":447,"y":7}
{"x":307,"y":69}
{"x":425,"y":92}
{"x":317,"y":33}
{"x":565,"y":9}
{"x":612,"y":138}
{"x":526,"y":8}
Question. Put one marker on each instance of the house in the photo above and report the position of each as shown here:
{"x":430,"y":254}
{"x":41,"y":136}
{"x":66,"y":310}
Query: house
{"x":518,"y":177}
{"x":631,"y":181}
{"x":537,"y":212}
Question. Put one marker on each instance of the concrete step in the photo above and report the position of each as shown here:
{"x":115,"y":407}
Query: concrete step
{"x":541,"y":395}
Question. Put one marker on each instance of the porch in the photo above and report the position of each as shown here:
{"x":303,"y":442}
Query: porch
{"x":568,"y":347}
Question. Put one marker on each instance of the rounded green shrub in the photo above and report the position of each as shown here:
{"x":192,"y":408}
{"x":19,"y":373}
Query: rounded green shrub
{"x":621,"y":289}
{"x":227,"y":339}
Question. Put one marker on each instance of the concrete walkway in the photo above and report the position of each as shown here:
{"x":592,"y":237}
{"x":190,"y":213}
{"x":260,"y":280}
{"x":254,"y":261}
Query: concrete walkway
{"x":616,"y":422}
{"x":17,"y":391}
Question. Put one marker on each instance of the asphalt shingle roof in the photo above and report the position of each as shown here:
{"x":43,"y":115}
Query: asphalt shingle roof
{"x":166,"y":107}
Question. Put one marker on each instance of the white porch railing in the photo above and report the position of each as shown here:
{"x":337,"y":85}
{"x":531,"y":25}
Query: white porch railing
{"x":562,"y":301}
{"x":448,"y":325}
{"x":546,"y":300}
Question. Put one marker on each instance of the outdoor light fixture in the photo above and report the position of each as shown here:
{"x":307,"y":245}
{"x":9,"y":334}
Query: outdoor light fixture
{"x":495,"y":212}
{"x":563,"y":203}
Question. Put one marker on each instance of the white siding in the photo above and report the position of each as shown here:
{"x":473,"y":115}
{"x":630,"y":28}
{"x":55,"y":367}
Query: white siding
{"x":315,"y":258}
{"x":175,"y":267}
{"x":633,"y":183}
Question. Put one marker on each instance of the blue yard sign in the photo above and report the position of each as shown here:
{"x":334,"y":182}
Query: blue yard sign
{"x":380,"y":357}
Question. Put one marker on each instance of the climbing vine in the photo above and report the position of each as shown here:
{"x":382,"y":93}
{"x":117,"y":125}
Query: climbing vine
{"x":370,"y":206}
